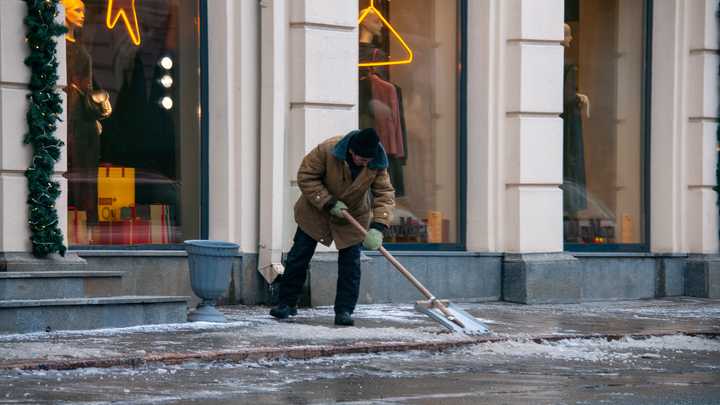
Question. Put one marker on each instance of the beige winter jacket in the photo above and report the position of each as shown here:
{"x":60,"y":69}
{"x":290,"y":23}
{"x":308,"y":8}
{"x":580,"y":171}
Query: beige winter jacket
{"x":325,"y":174}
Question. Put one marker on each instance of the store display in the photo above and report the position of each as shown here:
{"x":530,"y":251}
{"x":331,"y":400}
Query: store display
{"x":77,"y":232}
{"x":115,"y":189}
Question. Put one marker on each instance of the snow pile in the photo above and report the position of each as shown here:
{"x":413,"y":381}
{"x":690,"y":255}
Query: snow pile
{"x":596,"y":349}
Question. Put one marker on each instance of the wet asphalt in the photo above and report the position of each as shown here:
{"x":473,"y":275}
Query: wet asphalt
{"x":670,"y":368}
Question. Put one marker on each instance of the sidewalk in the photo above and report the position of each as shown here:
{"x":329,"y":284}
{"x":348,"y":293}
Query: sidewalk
{"x":252,"y":334}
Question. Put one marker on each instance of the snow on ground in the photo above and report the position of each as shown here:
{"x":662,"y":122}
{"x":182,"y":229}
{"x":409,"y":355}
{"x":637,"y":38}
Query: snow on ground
{"x":598,"y":349}
{"x":171,"y":327}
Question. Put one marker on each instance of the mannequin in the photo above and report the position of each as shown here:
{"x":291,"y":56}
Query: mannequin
{"x":566,"y":43}
{"x":370,"y":29}
{"x":574,"y":195}
{"x":83,"y":141}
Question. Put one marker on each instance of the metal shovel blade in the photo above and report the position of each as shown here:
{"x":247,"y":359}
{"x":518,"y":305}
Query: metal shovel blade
{"x":472,"y":325}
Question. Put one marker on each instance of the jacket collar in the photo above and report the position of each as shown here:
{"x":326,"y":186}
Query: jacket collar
{"x":380,"y":161}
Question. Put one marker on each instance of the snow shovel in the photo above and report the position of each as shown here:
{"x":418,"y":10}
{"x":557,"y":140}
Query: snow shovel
{"x":443,"y":312}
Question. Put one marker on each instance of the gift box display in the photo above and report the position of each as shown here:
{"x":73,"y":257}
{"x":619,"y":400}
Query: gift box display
{"x":116,"y":189}
{"x":146,"y":224}
{"x":77,"y":233}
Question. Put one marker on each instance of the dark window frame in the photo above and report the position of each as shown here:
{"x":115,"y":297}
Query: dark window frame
{"x":204,"y":150}
{"x":461,"y":113}
{"x":647,"y":82}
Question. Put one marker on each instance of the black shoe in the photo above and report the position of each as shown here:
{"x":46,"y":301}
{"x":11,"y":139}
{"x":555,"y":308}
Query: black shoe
{"x":282,"y":311}
{"x":344,"y":319}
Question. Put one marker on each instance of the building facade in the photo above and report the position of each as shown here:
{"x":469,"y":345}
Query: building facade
{"x":541,"y":151}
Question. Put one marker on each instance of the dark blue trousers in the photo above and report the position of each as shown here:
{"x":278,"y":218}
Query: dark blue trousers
{"x":296,"y":266}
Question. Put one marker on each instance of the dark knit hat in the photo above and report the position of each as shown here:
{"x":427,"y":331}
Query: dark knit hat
{"x":365,"y":143}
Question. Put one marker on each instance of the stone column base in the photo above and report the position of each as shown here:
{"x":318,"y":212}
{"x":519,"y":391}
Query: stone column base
{"x":702,"y":276}
{"x":542,"y":278}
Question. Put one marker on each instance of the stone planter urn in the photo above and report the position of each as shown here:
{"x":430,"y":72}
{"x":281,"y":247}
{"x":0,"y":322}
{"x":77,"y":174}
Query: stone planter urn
{"x":210,"y":267}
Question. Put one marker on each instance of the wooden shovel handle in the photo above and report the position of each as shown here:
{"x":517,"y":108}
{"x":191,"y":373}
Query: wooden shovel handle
{"x":406,"y":273}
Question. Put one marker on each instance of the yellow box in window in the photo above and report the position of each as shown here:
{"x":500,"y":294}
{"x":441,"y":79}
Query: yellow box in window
{"x":116,"y":189}
{"x":628,"y":228}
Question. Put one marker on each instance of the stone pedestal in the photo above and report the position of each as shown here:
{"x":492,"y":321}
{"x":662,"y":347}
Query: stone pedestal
{"x":542,"y":278}
{"x":702,"y":276}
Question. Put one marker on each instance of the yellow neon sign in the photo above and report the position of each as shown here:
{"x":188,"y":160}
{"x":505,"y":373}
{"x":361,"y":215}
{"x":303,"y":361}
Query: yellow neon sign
{"x":377,"y":12}
{"x":120,"y":12}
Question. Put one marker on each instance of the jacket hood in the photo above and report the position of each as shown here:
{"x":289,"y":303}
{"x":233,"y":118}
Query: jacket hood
{"x":380,"y":161}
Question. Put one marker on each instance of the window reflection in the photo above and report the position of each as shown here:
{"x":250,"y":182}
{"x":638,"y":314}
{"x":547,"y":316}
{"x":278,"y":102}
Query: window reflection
{"x":603,"y":183}
{"x":133,"y":177}
{"x":412,"y":106}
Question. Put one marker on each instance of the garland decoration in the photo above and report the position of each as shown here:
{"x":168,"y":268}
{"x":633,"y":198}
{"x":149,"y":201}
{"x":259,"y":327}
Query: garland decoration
{"x":45,"y":105}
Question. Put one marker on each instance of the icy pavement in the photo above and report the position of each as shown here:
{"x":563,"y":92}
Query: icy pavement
{"x":401,"y":325}
{"x":667,"y":369}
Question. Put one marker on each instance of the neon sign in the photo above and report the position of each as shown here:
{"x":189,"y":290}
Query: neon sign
{"x":377,"y":12}
{"x":117,"y":10}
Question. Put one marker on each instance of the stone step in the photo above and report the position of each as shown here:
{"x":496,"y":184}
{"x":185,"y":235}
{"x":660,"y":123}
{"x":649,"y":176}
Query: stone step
{"x":59,"y":284}
{"x":26,"y":262}
{"x":27,"y":316}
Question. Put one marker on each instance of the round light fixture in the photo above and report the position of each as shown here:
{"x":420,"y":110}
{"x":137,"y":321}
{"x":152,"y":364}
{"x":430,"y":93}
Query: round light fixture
{"x":166,"y":81}
{"x":167,"y":103}
{"x":166,"y":62}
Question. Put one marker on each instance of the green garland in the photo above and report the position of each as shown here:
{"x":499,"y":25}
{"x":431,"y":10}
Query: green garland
{"x":45,"y":106}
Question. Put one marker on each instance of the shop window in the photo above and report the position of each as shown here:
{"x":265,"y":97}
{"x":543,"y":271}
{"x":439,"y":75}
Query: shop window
{"x":408,"y":92}
{"x":133,"y":176}
{"x":604,"y":167}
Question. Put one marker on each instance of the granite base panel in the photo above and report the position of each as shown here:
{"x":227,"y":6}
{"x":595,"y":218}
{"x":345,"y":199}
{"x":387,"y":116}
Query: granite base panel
{"x":622,"y":278}
{"x":167,"y":273}
{"x":461,"y":277}
{"x":86,"y":317}
{"x":702,"y":276}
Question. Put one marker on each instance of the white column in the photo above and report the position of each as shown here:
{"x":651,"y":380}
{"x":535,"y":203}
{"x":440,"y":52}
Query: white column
{"x":15,"y":157}
{"x":323,"y":82}
{"x":514,"y":131}
{"x":703,"y":126}
{"x":485,"y":122}
{"x":234,"y":88}
{"x":684,"y":216}
{"x":273,"y":121}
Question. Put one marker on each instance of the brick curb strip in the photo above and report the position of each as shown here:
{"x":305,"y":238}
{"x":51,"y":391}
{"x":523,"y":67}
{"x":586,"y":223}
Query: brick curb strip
{"x":310,"y":352}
